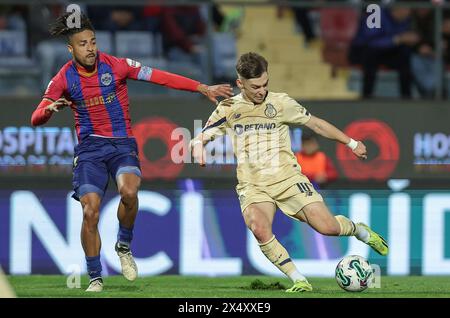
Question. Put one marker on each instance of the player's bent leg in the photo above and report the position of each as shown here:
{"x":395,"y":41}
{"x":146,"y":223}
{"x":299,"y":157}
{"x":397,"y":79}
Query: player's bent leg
{"x":258,"y":218}
{"x":90,"y":239}
{"x":317,"y":215}
{"x":128,"y":186}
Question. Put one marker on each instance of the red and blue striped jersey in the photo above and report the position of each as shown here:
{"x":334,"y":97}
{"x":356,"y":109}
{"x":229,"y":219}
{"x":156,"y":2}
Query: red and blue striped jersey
{"x":99,"y":99}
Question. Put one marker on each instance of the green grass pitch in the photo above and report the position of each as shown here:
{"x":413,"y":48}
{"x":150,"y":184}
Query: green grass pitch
{"x":225,"y":287}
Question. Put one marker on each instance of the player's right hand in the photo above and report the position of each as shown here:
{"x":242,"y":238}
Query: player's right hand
{"x":212,"y":92}
{"x":58,"y":104}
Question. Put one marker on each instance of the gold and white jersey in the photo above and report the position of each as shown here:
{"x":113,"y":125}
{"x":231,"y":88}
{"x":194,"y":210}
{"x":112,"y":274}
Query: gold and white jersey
{"x":260,"y":137}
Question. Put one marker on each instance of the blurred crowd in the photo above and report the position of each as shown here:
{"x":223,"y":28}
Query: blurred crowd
{"x":406,"y":43}
{"x":162,"y":33}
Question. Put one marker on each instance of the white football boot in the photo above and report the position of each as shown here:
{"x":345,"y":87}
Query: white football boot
{"x":129,"y":268}
{"x":95,"y":285}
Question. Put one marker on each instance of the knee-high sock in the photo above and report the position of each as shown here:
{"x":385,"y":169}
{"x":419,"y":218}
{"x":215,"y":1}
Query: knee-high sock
{"x":125,"y":235}
{"x":94,"y":267}
{"x":279,"y":256}
{"x":348,"y":228}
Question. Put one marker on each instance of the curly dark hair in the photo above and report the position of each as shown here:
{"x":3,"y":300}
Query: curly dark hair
{"x":59,"y":27}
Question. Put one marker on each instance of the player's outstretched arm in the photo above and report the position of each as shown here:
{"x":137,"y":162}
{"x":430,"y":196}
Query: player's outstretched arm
{"x":214,"y":91}
{"x":176,"y":81}
{"x":325,"y":129}
{"x":45,"y":110}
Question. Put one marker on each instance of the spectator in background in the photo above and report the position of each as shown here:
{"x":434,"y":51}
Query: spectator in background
{"x":390,"y":45}
{"x":11,"y":18}
{"x":117,"y":18}
{"x":125,"y":18}
{"x":218,"y":17}
{"x":183,"y":35}
{"x":231,"y":20}
{"x":423,"y":59}
{"x":51,"y":53}
{"x":302,"y":19}
{"x":315,"y":164}
{"x":446,"y":37}
{"x":152,"y":17}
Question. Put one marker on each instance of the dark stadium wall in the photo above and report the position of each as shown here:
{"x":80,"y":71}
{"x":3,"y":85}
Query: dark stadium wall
{"x":405,"y":140}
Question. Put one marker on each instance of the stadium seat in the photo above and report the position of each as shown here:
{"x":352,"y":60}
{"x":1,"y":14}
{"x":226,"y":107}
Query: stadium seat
{"x":148,"y":51}
{"x":17,"y":71}
{"x":135,"y":44}
{"x":12,"y":43}
{"x":224,"y":54}
{"x":386,"y":85}
{"x":105,"y":41}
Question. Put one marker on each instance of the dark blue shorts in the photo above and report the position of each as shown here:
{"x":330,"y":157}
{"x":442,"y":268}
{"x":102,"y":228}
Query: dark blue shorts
{"x":97,"y":158}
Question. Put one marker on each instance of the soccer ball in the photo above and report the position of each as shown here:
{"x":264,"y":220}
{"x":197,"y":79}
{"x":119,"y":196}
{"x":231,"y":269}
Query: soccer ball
{"x":354,"y":273}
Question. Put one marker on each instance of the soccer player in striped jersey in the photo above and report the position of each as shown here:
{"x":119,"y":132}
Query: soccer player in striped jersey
{"x":93,"y":84}
{"x":268,"y":173}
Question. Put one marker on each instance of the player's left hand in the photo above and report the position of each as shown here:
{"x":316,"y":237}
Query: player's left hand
{"x":212,"y":92}
{"x":360,"y":151}
{"x":57,"y":105}
{"x":198,"y":152}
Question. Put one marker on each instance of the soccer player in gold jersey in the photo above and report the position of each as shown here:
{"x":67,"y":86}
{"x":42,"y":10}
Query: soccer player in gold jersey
{"x":269,"y":175}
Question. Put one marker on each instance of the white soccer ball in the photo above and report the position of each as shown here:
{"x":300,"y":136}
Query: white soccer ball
{"x":354,"y":273}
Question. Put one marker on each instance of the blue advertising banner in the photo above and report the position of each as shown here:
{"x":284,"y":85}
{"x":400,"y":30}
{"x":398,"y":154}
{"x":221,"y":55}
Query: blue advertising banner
{"x":189,"y":230}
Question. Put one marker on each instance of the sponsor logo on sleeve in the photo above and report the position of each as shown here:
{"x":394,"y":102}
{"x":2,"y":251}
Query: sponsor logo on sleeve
{"x":133,"y":63}
{"x":48,"y":87}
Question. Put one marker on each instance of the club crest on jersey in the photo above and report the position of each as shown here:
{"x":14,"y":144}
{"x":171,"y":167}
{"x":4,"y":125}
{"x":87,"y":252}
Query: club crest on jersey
{"x":106,"y":79}
{"x":270,"y":111}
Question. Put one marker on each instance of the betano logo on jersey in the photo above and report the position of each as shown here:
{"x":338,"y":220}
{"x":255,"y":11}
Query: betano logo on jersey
{"x":97,"y":100}
{"x":239,"y":129}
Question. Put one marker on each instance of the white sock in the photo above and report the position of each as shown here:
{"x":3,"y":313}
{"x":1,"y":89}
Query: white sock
{"x":362,"y":234}
{"x":295,"y":275}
